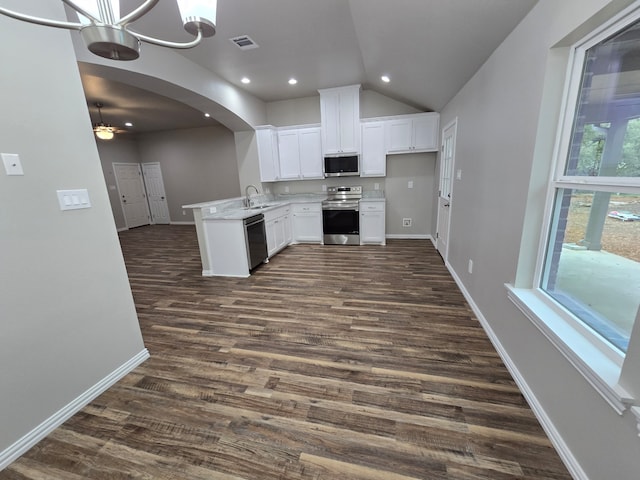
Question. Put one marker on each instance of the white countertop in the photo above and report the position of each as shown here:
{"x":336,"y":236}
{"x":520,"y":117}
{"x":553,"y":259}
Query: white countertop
{"x":234,"y":209}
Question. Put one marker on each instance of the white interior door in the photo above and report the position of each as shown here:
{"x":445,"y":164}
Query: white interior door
{"x":132,"y":194}
{"x":156,"y":196}
{"x":447,"y":159}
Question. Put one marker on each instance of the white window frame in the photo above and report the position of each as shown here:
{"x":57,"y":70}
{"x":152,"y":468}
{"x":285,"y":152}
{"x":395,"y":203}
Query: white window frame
{"x":595,"y":358}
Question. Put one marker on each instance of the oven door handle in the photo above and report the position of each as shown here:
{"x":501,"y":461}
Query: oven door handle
{"x":332,"y":208}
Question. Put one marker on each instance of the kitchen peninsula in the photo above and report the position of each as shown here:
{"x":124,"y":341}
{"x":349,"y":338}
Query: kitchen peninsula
{"x":224,"y":240}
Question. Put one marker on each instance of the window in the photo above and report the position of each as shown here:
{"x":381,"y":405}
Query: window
{"x":583,"y":292}
{"x":592,"y":257}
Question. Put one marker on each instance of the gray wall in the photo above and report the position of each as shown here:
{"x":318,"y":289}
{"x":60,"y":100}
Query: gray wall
{"x":507,"y":117}
{"x":67,"y":315}
{"x":197,"y":165}
{"x":404,"y":202}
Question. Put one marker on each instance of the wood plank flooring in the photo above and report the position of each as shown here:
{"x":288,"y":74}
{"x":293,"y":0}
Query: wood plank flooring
{"x":329,"y":362}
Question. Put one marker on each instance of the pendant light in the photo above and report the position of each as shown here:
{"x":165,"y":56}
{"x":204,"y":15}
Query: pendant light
{"x":108,"y":35}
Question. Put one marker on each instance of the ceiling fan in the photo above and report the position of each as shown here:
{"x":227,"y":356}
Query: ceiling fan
{"x":104,"y":131}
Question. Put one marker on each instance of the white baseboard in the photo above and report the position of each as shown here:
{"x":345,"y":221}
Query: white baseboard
{"x":415,"y":236}
{"x":54,"y":421}
{"x":556,"y":439}
{"x":182,"y":223}
{"x":123,"y":229}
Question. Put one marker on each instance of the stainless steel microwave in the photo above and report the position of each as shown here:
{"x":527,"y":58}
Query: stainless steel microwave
{"x":342,"y":166}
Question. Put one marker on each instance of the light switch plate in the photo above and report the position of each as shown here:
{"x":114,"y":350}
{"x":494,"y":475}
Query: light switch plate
{"x":12,"y":164}
{"x":73,"y":199}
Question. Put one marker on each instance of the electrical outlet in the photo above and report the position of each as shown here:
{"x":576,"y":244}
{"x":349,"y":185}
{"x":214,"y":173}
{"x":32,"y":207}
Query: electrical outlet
{"x":410,"y":184}
{"x":184,"y":212}
{"x":324,"y":188}
{"x":470,"y":268}
{"x":376,"y":186}
{"x":12,"y":163}
{"x":286,"y":189}
{"x":406,"y":222}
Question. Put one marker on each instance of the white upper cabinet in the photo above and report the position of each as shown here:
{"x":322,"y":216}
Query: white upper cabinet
{"x":373,"y":161}
{"x":413,"y":133}
{"x":300,"y":153}
{"x":310,"y":143}
{"x":289,"y":154}
{"x":340,"y":120}
{"x":268,"y":157}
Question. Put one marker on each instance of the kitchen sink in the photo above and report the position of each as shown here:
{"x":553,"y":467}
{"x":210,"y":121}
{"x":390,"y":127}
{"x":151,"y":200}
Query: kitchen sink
{"x":256,"y":207}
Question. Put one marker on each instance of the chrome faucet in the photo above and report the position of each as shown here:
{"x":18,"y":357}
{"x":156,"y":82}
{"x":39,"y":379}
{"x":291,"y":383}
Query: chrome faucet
{"x":247,"y":200}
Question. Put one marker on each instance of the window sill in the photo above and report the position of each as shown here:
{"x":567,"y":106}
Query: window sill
{"x":598,"y":365}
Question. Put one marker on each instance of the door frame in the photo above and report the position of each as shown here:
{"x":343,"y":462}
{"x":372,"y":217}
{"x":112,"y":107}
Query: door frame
{"x":452,"y":124}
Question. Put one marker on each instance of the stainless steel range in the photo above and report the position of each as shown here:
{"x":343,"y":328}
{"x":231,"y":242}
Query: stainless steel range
{"x":341,"y":216}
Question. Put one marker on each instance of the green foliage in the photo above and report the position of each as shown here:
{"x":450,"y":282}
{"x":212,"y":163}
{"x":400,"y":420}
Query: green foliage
{"x":630,"y":164}
{"x":593,"y":141}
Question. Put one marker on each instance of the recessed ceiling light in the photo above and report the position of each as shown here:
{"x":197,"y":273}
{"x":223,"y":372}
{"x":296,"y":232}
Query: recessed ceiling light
{"x":385,"y":78}
{"x":207,"y":115}
{"x":292,"y":81}
{"x":128,"y":124}
{"x":245,"y":80}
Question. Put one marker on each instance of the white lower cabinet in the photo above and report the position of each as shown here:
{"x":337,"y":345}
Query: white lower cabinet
{"x":372,"y":222}
{"x":307,"y":222}
{"x":277,"y":224}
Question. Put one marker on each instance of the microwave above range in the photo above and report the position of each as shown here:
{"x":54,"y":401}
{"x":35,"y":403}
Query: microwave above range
{"x":342,"y":166}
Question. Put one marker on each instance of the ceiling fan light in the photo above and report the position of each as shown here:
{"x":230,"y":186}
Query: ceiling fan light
{"x":199,"y":15}
{"x":104,"y":132}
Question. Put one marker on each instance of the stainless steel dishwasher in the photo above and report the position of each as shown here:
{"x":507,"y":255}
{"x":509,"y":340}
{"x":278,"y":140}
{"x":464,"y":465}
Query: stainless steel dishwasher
{"x":255,"y":237}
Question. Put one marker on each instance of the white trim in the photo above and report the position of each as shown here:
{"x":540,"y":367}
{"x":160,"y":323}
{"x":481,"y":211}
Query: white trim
{"x":124,"y":229}
{"x":602,"y":370}
{"x":29,"y":440}
{"x":211,"y":273}
{"x":414,"y":236}
{"x":601,"y":184}
{"x":452,"y":124}
{"x":555,"y":437}
{"x":636,"y":413}
{"x":182,"y":223}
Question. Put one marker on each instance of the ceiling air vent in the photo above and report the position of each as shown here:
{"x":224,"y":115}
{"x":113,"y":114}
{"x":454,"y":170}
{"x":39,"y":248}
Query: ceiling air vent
{"x":244,"y":42}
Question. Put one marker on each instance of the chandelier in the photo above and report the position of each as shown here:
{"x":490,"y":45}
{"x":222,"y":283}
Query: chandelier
{"x":108,"y":35}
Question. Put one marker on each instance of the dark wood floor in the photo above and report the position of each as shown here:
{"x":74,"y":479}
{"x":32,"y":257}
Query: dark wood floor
{"x":330,"y":362}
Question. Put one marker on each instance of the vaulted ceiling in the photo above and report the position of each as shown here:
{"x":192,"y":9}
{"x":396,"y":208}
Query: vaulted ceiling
{"x":428,"y":48}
